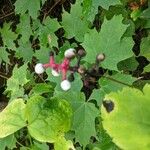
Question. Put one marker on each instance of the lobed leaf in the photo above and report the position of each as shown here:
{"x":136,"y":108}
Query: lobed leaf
{"x":74,"y":23}
{"x":109,"y":42}
{"x":47,"y":121}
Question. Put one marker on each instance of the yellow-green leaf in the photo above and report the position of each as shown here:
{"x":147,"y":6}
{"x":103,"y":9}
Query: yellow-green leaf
{"x":12,"y":118}
{"x":129,"y":121}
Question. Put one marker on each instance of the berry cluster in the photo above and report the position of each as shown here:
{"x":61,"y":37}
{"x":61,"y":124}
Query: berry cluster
{"x":58,"y":68}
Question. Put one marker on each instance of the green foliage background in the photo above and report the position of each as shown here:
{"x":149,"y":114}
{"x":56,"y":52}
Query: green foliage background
{"x":39,"y":112}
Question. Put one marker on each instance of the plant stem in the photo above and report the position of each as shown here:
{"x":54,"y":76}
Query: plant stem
{"x":56,"y":3}
{"x":120,"y":82}
{"x":11,"y":13}
{"x":3,"y":76}
{"x":22,"y":145}
{"x":30,"y":140}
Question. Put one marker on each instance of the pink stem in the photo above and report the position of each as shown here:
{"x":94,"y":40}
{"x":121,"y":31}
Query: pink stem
{"x":53,"y":64}
{"x":46,"y":65}
{"x":64,"y":68}
{"x":64,"y":74}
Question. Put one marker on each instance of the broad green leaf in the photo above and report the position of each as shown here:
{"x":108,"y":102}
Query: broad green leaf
{"x":84,"y":114}
{"x":12,"y":118}
{"x":109,"y":42}
{"x":107,"y":3}
{"x":48,"y":120}
{"x":41,"y":88}
{"x":8,"y":36}
{"x":84,"y":121}
{"x":9,"y":142}
{"x":4,"y":55}
{"x":16,"y":82}
{"x":40,"y":146}
{"x":129,"y":118}
{"x":131,"y":28}
{"x":129,"y":64}
{"x":146,"y":13}
{"x":74,"y":23}
{"x":147,"y":23}
{"x":24,"y":51}
{"x":147,"y":68}
{"x":111,"y":84}
{"x":90,"y":8}
{"x":115,"y":82}
{"x":42,"y":54}
{"x":104,"y":140}
{"x":33,"y":7}
{"x":24,"y":28}
{"x":145,"y":48}
{"x":62,"y":144}
{"x":98,"y":95}
{"x":46,"y":31}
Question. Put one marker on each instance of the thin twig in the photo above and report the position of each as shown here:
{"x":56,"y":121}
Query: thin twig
{"x":11,"y":4}
{"x":6,"y":15}
{"x":3,"y":76}
{"x":22,"y":145}
{"x":53,"y":7}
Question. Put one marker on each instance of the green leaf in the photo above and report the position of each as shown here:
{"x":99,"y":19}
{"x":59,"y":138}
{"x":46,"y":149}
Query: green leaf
{"x":109,"y":42}
{"x":107,"y":3}
{"x":42,"y":54}
{"x":84,"y":121}
{"x":24,"y":51}
{"x":146,"y":13}
{"x":33,"y":7}
{"x":104,"y":140}
{"x":16,"y":82}
{"x":8,"y":36}
{"x":129,"y":118}
{"x":97,"y":95}
{"x":41,"y":88}
{"x":129,"y":64}
{"x":90,"y":9}
{"x":111,"y":83}
{"x":147,"y":68}
{"x":74,"y":23}
{"x":62,"y":144}
{"x":116,"y":82}
{"x":4,"y":55}
{"x":46,"y":31}
{"x":9,"y":141}
{"x":145,"y":49}
{"x":84,"y":114}
{"x":12,"y":118}
{"x":48,"y":120}
{"x":24,"y":28}
{"x":40,"y":146}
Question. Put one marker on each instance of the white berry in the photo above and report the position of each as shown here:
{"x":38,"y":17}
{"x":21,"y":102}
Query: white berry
{"x":39,"y":69}
{"x":65,"y":85}
{"x":55,"y":73}
{"x":69,"y":53}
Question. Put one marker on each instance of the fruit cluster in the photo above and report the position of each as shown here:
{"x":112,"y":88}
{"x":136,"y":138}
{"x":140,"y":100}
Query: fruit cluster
{"x":62,"y":68}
